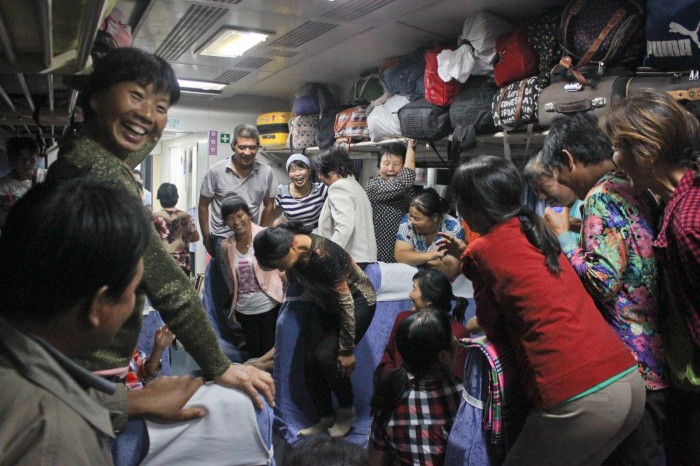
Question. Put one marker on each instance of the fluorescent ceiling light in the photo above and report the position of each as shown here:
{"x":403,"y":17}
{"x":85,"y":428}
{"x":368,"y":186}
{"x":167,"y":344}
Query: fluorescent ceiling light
{"x":191,"y":85}
{"x":231,"y":42}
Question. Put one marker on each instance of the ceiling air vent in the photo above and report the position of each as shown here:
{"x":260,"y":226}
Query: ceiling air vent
{"x":282,"y":53}
{"x":353,"y":10}
{"x":228,"y":2}
{"x":302,"y":34}
{"x":231,"y":76}
{"x":252,"y":62}
{"x":196,"y":21}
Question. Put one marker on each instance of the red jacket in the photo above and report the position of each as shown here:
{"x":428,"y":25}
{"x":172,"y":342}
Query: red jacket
{"x":392,"y":359}
{"x":562,"y":343}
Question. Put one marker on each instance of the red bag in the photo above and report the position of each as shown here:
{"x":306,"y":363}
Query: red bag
{"x":437,"y":91}
{"x":515,"y":60}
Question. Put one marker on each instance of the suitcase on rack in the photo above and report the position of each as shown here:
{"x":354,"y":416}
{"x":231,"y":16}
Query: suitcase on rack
{"x":683,"y":86}
{"x":274,"y":129}
{"x":565,"y":98}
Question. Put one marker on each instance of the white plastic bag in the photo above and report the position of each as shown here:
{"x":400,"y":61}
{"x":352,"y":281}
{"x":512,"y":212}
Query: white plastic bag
{"x":477,"y":52}
{"x":383,"y":120}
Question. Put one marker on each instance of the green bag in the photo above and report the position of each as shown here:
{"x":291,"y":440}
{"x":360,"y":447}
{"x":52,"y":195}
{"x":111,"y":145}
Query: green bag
{"x":367,"y":88}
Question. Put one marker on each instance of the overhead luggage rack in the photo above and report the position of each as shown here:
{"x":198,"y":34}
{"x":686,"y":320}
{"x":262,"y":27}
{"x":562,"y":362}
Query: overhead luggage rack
{"x":491,"y":144}
{"x":43,"y":41}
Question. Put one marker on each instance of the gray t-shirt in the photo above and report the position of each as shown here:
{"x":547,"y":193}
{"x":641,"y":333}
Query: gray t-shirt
{"x":221,"y":181}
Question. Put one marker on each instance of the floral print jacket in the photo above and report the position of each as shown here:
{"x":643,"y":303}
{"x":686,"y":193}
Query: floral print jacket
{"x":616,"y":263}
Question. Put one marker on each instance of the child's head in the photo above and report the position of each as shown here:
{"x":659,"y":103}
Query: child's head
{"x":328,"y":452}
{"x":433,"y":289}
{"x":424,"y":340}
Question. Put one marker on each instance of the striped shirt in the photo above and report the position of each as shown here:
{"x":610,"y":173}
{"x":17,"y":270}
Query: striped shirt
{"x":302,"y":209}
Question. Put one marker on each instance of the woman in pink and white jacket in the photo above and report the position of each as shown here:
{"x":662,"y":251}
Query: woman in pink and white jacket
{"x":256,"y":294}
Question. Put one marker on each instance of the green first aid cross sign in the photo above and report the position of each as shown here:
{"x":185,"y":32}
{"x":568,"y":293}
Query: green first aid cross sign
{"x":225,"y":138}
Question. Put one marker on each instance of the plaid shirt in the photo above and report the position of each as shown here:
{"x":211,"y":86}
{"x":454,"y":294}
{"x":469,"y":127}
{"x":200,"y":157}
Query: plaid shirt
{"x":678,"y":248}
{"x":418,"y":428}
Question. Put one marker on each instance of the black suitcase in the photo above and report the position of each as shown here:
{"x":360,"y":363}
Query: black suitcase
{"x":683,"y":86}
{"x":564,"y":98}
{"x":423,"y":120}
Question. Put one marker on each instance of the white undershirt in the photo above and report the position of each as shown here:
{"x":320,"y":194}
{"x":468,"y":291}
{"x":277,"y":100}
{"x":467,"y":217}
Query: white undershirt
{"x":251,"y":298}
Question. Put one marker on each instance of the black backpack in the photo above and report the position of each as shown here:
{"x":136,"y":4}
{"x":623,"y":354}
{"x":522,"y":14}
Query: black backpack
{"x":423,"y":120}
{"x":471,"y":114}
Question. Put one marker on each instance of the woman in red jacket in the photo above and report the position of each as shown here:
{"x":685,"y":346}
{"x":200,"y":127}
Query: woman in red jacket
{"x":582,"y":381}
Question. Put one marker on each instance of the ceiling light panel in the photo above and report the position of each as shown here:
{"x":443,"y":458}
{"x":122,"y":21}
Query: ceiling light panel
{"x":231,"y":42}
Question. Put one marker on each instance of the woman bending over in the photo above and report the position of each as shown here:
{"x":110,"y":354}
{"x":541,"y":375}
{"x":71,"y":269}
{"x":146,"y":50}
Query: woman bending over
{"x":341,"y":310}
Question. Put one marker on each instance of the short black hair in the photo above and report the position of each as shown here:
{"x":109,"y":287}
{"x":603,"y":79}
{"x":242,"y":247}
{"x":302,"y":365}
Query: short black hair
{"x":327,"y":452}
{"x":246,"y":132}
{"x":129,"y":64}
{"x":167,"y":195}
{"x":232,"y":204}
{"x":65,"y":240}
{"x":16,"y":145}
{"x":535,"y":169}
{"x":580,"y":135}
{"x":334,"y":159}
{"x":272,"y":244}
{"x":397,"y":149}
{"x":430,"y":203}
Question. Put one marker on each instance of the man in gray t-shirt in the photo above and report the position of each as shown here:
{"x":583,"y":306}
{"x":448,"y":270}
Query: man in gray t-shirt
{"x":239,"y":175}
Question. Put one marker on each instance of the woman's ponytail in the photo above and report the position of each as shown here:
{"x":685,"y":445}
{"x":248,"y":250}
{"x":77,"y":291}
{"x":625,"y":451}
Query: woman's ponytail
{"x":460,"y":309}
{"x":537,"y":233}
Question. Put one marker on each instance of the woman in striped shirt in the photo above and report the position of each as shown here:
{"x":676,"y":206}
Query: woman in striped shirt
{"x":301,"y":200}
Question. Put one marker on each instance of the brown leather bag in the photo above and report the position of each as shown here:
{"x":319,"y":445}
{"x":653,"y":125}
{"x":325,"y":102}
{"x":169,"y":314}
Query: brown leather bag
{"x":607,"y":32}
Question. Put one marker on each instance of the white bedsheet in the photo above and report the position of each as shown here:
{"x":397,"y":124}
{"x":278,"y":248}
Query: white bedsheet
{"x":397,"y":282}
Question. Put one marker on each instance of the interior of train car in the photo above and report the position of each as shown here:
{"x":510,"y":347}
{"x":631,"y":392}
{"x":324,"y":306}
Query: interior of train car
{"x":253,"y":61}
{"x":49,"y":46}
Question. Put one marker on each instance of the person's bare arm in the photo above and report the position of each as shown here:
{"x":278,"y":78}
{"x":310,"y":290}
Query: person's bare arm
{"x":446,"y":264}
{"x":450,"y":244}
{"x":411,"y":154}
{"x":407,"y":254}
{"x":203,"y":214}
{"x":269,"y":212}
{"x":163,"y":339}
{"x":264,"y":362}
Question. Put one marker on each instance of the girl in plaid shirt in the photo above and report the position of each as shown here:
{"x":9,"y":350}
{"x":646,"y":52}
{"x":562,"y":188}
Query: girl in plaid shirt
{"x":414,"y":406}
